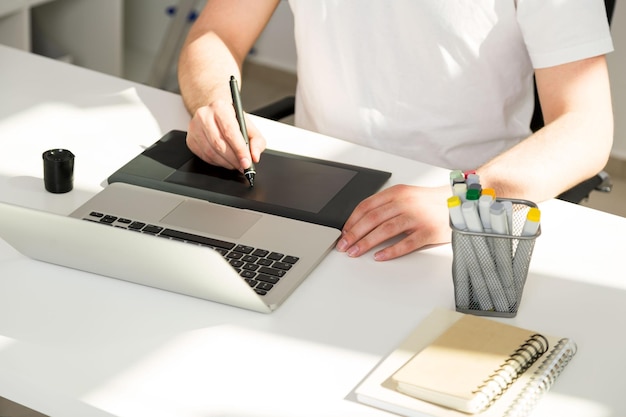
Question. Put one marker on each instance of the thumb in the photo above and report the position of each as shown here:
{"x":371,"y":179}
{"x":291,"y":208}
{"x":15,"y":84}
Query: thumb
{"x":256,"y":140}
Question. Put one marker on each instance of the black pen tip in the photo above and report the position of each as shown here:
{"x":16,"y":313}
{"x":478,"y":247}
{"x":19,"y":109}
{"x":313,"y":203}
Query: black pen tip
{"x":250,"y":177}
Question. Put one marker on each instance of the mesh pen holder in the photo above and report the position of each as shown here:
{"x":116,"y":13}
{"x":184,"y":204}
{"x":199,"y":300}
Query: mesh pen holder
{"x":489,"y":270}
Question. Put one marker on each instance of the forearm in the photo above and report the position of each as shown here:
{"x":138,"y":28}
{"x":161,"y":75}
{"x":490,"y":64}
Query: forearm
{"x":216,"y":47}
{"x":573,"y":146}
{"x":205,"y":66}
{"x":564,"y":153}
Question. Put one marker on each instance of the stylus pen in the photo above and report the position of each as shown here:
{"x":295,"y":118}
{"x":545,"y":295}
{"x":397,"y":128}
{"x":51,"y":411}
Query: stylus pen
{"x":249,"y":172}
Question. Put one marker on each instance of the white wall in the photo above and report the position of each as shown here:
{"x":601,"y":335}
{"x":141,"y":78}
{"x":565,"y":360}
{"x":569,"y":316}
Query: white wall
{"x":276,"y":47}
{"x":146,"y":23}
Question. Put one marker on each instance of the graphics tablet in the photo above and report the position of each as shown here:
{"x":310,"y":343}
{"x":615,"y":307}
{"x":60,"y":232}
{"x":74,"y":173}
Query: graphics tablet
{"x":288,"y":185}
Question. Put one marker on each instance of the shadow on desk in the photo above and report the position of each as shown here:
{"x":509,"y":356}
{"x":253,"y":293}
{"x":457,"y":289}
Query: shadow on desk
{"x":9,"y":408}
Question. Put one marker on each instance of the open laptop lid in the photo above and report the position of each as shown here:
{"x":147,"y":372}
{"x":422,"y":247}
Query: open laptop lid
{"x":134,"y":257}
{"x":293,"y":186}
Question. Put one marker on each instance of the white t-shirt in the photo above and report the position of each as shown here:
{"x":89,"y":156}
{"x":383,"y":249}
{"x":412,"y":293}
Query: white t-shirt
{"x":446,"y":82}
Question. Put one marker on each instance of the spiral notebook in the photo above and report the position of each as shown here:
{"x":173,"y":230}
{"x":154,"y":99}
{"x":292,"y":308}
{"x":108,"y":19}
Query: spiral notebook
{"x":454,"y":365}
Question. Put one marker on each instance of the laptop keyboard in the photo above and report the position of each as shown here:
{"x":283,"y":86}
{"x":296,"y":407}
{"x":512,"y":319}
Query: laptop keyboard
{"x":260,"y":268}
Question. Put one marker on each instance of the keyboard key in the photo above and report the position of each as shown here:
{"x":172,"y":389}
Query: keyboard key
{"x":271,"y":271}
{"x":247,"y":274}
{"x":250,"y":267}
{"x":152,"y":229}
{"x":108,"y":219}
{"x":136,"y":225}
{"x":261,"y":253}
{"x":267,"y":278}
{"x":236,"y":263}
{"x":264,"y":286}
{"x":244,"y":249}
{"x":264,"y":262}
{"x":282,"y":265}
{"x":290,"y":259}
{"x":275,"y":256}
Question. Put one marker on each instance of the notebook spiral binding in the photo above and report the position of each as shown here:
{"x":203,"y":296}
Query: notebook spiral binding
{"x":543,"y":378}
{"x":523,"y":358}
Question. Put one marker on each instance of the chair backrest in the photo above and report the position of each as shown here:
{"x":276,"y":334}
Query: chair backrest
{"x":537,"y":122}
{"x":610,"y":7}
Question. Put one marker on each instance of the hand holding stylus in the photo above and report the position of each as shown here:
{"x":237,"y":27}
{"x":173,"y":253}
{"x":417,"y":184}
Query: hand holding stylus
{"x":214,"y":135}
{"x":250,"y":171}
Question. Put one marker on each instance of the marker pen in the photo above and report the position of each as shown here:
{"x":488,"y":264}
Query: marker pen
{"x":469,"y":172}
{"x":532,"y":222}
{"x":470,"y":214}
{"x":503,"y":252}
{"x":489,"y":286}
{"x":456,"y":174}
{"x":499,"y":218}
{"x":472,"y":178}
{"x":508,"y":206}
{"x":472,"y":195}
{"x":461,"y":275}
{"x":489,"y":191}
{"x":459,"y":180}
{"x":456,"y":216}
{"x":524,"y":249}
{"x":458,"y":186}
{"x":460,"y":190}
{"x":475,"y":186}
{"x":484,"y":203}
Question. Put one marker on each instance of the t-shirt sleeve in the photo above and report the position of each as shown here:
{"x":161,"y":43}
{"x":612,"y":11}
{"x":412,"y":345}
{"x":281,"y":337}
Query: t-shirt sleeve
{"x":558,"y":32}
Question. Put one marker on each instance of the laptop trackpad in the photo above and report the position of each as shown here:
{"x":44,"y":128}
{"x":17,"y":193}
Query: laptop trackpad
{"x":211,"y":219}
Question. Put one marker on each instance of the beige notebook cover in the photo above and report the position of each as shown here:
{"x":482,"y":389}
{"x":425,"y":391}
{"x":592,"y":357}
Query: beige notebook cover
{"x":470,"y":364}
{"x":379,"y":389}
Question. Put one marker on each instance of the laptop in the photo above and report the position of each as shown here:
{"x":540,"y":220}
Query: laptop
{"x":176,"y":243}
{"x":239,"y":256}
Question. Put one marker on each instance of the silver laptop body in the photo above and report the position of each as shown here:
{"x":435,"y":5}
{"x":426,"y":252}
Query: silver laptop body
{"x":184,"y":261}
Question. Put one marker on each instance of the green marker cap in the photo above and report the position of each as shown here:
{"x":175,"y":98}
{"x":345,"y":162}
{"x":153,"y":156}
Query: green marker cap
{"x":472,"y":194}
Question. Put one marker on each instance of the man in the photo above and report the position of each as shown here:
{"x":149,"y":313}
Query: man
{"x":444,"y":82}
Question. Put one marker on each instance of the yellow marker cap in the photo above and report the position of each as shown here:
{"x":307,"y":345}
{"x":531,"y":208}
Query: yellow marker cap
{"x":454,"y":201}
{"x":534,"y":214}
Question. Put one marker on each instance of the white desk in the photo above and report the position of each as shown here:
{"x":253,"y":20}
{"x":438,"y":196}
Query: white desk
{"x":77,"y":344}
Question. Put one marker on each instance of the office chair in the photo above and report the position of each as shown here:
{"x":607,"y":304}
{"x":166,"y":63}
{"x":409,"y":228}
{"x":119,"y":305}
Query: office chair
{"x":599,"y":182}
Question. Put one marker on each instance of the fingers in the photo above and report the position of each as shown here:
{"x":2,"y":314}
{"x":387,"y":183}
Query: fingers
{"x":205,"y":139}
{"x":214,"y":136}
{"x":257,"y":141}
{"x":415,"y":216}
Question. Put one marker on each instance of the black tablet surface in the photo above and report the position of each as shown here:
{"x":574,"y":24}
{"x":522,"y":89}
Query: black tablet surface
{"x":287,"y":185}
